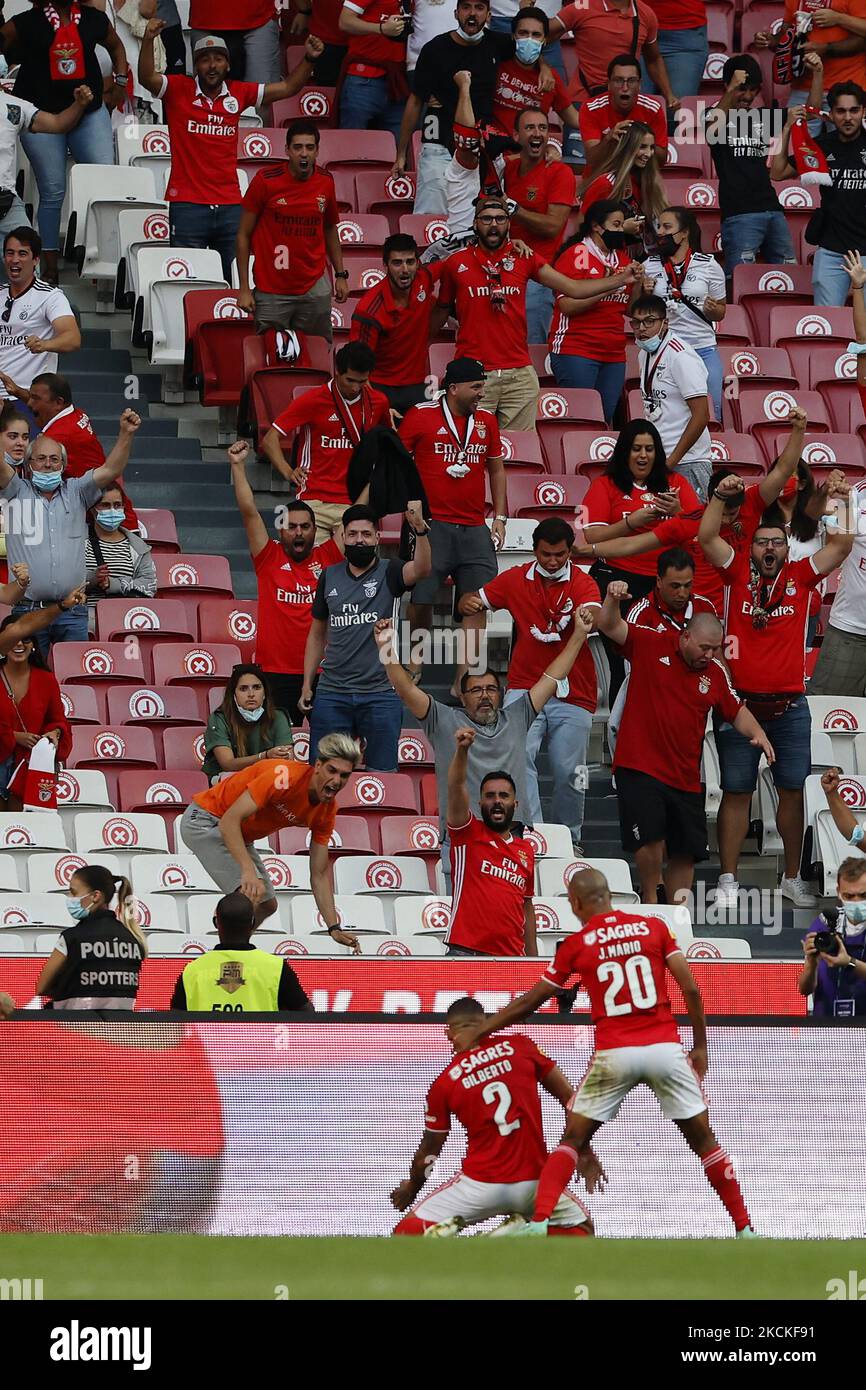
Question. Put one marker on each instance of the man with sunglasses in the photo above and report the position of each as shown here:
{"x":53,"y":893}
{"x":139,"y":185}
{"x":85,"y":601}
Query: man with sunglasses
{"x":766,"y":614}
{"x":36,"y":321}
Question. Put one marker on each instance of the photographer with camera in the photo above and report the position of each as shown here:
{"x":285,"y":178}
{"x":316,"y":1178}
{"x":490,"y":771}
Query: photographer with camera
{"x":835,"y":950}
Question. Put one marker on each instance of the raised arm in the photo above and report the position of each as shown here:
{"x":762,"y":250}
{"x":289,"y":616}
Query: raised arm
{"x":148,"y":76}
{"x":458,"y":808}
{"x":257,"y":536}
{"x":117,"y":460}
{"x":844,"y":820}
{"x":413,"y":697}
{"x":422,"y":561}
{"x":610,"y":620}
{"x":299,"y":76}
{"x":836,"y":549}
{"x":717,"y":551}
{"x":586,"y":289}
{"x":781,"y":165}
{"x":855,"y":268}
{"x":772,"y":486}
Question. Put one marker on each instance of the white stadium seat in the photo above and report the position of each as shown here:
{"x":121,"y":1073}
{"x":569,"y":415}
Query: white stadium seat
{"x":164,"y":943}
{"x":50,"y":873}
{"x":10,"y":879}
{"x":550,"y":841}
{"x":200,"y":909}
{"x":553,"y":875}
{"x":381,"y":876}
{"x":554,"y":917}
{"x":357,"y":914}
{"x":157,"y":914}
{"x":289,"y":873}
{"x":679,"y":919}
{"x":137,"y":227}
{"x":390,"y":947}
{"x":719,"y":948}
{"x":33,"y":910}
{"x":178,"y":874}
{"x":12,"y":944}
{"x":84,"y":790}
{"x":101,"y":241}
{"x":145,"y":147}
{"x":104,"y":183}
{"x":122,"y":835}
{"x":428,"y":916}
{"x":165,"y":273}
{"x":27,"y":832}
{"x":842,"y":718}
{"x":290,"y":946}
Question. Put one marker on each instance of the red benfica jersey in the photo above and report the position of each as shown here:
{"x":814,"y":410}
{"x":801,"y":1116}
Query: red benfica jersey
{"x":605,"y":504}
{"x":599,"y":115}
{"x":72,"y":429}
{"x":216,"y":15}
{"x":492,"y":877}
{"x":492,"y":1089}
{"x":517,"y":89}
{"x":665,"y":715}
{"x":543,"y":614}
{"x":600,"y":332}
{"x":325,"y":22}
{"x":602,"y":188}
{"x":769,"y":660}
{"x":451,"y":454}
{"x":538,"y":190}
{"x":371,"y":54}
{"x":397,"y":334}
{"x":288,"y":241}
{"x":286,"y":593}
{"x":329,"y":430}
{"x":488,"y":292}
{"x":204,"y":139}
{"x":621,"y":960}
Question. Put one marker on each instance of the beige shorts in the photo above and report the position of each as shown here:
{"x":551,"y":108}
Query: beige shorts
{"x":329,"y":515}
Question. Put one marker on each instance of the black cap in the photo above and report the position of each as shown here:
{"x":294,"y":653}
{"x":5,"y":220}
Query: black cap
{"x":463,"y":369}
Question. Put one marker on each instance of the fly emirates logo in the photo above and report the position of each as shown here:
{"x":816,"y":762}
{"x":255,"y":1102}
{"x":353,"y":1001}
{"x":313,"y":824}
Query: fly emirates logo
{"x":213,"y":124}
{"x":483,"y":1065}
{"x":508,"y":872}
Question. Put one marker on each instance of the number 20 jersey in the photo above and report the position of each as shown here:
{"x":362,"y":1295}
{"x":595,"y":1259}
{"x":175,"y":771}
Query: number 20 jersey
{"x":492,"y":1089}
{"x":621,"y":960}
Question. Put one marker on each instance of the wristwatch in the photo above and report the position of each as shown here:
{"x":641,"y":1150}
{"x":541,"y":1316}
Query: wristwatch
{"x":500,"y":518}
{"x":335,"y":927}
{"x":341,"y":274}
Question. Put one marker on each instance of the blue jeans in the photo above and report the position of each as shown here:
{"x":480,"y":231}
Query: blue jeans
{"x":791,"y":737}
{"x":501,"y":24}
{"x":377,"y":718}
{"x":685,"y":54}
{"x":431,"y":192}
{"x":830,"y":284}
{"x":539,"y":311}
{"x":91,"y":142}
{"x":67,"y":627}
{"x":607,"y":378}
{"x":713,"y":363}
{"x":749,"y":233}
{"x":566,"y":729}
{"x":203,"y":226}
{"x":365,"y":104}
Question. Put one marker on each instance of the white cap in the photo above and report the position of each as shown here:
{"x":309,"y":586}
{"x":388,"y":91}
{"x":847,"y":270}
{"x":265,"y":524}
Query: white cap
{"x":211,"y":43}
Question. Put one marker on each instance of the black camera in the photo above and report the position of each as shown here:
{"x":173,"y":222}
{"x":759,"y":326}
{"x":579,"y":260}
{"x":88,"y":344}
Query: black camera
{"x":828,"y":942}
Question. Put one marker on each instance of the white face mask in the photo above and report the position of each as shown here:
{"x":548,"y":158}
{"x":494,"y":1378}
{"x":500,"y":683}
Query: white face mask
{"x":554,"y":574}
{"x":252,"y":716}
{"x":470,"y":38}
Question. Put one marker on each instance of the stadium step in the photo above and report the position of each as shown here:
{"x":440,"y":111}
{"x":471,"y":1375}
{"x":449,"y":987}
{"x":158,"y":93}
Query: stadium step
{"x":158,"y":475}
{"x":105,"y":426}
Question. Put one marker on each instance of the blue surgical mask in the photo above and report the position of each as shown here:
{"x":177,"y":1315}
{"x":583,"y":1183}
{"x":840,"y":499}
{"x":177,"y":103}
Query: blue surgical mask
{"x":11,"y":462}
{"x":252,"y":716}
{"x":528,"y":50}
{"x":110,"y":519}
{"x":47,"y":482}
{"x":855,"y":913}
{"x":75,"y":907}
{"x":650,"y":344}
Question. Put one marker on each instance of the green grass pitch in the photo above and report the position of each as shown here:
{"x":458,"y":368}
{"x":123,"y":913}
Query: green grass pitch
{"x":217,"y":1267}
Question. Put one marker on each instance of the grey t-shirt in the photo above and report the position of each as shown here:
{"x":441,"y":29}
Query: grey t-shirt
{"x":500,"y":747}
{"x":351,"y":605}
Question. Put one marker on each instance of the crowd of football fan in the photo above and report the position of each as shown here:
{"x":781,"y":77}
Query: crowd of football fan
{"x":705,"y":588}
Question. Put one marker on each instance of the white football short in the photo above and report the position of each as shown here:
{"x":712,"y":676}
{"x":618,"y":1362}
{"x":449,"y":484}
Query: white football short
{"x":478,"y":1201}
{"x":664,"y":1067}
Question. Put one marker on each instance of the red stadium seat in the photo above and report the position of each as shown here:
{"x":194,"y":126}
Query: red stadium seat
{"x":229,"y":620}
{"x":577,"y":450}
{"x":125,"y":746}
{"x":769,"y":366}
{"x":193,"y":574}
{"x":341,"y":319}
{"x":741,"y":451}
{"x":352,"y":835}
{"x":268,"y":384}
{"x":165,"y":618}
{"x":559,"y":403}
{"x":429,"y":795}
{"x":800,"y":201}
{"x":367,"y":149}
{"x":759,"y":288}
{"x":540,"y":359}
{"x":385,"y":194}
{"x":176,"y":663}
{"x":735,"y":330}
{"x":410,"y":835}
{"x":159,"y":528}
{"x":377,"y":794}
{"x":215,"y":331}
{"x":414,"y":750}
{"x":96,"y":663}
{"x":689,"y":160}
{"x":822,"y":452}
{"x":762,"y":410}
{"x":142,"y":791}
{"x":363,"y":229}
{"x":183,"y":749}
{"x":314,"y":103}
{"x":344,"y":188}
{"x":833,"y":373}
{"x":157,"y":706}
{"x":702,"y":195}
{"x":521,"y":451}
{"x":260,"y":148}
{"x":796,"y":329}
{"x":720,"y":27}
{"x":80,"y":705}
{"x":539,"y":498}
{"x":424,"y":227}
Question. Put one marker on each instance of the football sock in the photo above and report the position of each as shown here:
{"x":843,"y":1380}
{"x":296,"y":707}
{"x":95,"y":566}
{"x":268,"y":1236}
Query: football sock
{"x":719,"y":1173}
{"x":555,"y":1176}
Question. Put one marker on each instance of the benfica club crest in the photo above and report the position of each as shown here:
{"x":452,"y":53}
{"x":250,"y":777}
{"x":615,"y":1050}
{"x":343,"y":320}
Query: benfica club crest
{"x":315,"y":569}
{"x":522,"y":857}
{"x":531,"y":195}
{"x":67,"y":60}
{"x":321,"y":201}
{"x":481,"y":431}
{"x":704,"y":685}
{"x":508,"y":263}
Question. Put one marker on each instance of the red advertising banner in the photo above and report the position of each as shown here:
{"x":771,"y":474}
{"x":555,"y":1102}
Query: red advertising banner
{"x":428,"y":986}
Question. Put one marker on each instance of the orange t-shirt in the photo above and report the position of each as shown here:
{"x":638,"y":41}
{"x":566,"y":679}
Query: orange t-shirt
{"x":280,"y":790}
{"x":850,"y":69}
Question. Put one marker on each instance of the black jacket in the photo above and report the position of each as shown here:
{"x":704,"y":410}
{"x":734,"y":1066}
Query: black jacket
{"x":382,"y":460}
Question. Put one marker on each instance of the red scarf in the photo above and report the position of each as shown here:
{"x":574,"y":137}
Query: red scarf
{"x":344,"y":411}
{"x":66,"y":54}
{"x":808,"y":157}
{"x":676,"y":275}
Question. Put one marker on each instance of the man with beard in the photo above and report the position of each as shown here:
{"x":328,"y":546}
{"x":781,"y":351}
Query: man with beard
{"x":542,"y":598}
{"x":289,"y":223}
{"x":485,"y":287}
{"x":287,"y":572}
{"x":493,"y":871}
{"x":766,"y":615}
{"x":393,"y":320}
{"x":672,"y":689}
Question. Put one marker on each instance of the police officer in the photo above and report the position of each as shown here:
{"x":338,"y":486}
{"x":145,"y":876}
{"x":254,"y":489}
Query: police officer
{"x":236,"y":977}
{"x":97,"y":961}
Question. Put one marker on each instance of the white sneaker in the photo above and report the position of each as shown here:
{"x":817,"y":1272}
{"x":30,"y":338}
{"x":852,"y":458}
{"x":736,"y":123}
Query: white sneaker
{"x":797,"y":890}
{"x":509,"y":1225}
{"x":452,"y":1227}
{"x":727,"y":890}
{"x":747,"y":1233}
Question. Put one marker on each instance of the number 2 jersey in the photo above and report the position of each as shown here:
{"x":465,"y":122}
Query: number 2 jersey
{"x":621,"y":960}
{"x":492,"y":1089}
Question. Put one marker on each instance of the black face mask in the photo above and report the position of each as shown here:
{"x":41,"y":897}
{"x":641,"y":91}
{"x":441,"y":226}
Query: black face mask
{"x":667,"y":247}
{"x":614,"y":241}
{"x":361,"y":555}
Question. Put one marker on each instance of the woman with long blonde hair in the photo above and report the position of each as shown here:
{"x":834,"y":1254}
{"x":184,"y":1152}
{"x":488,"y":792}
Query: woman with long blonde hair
{"x":630,"y":175}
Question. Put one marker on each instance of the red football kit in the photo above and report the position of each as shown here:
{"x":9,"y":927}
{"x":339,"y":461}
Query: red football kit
{"x":621,"y":960}
{"x":653,"y":615}
{"x":543,"y":621}
{"x":397,"y":334}
{"x":329,"y":428}
{"x":204,"y":139}
{"x":371,"y":55}
{"x":772,"y":659}
{"x":492,"y":877}
{"x":665,"y":715}
{"x":451,"y":454}
{"x":492,"y":1089}
{"x":538,"y":190}
{"x":605,"y":504}
{"x":488,"y":292}
{"x":599,"y":333}
{"x":286,"y":593}
{"x":292,"y":215}
{"x":325,"y":22}
{"x":599,"y":115}
{"x":215,"y":15}
{"x":602,"y":188}
{"x":517,"y":89}
{"x":72,"y":428}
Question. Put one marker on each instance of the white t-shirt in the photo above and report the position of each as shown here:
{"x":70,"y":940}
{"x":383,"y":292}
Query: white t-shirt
{"x":16,"y":116}
{"x":32,"y":314}
{"x":669,"y":378}
{"x":704,"y":276}
{"x":430,"y":18}
{"x":509,"y":8}
{"x":848,"y":613}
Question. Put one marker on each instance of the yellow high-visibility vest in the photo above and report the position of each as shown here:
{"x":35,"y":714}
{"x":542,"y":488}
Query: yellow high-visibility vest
{"x":228,"y":981}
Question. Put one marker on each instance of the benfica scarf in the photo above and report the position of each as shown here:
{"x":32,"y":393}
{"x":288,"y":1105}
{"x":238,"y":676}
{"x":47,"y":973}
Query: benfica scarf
{"x":808,"y":157}
{"x":66,"y":54}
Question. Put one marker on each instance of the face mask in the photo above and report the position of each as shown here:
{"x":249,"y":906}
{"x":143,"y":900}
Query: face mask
{"x":650,"y":344}
{"x":47,"y":482}
{"x":471,"y":38}
{"x":667,"y":247}
{"x":252,"y":716}
{"x":528,"y":50}
{"x":554,"y":574}
{"x":75,"y":907}
{"x":361,"y":555}
{"x":855,"y":913}
{"x":110,"y":519}
{"x":614,"y":241}
{"x":11,"y":462}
